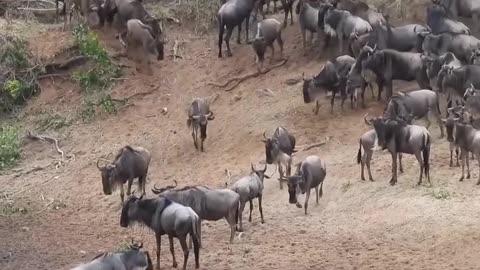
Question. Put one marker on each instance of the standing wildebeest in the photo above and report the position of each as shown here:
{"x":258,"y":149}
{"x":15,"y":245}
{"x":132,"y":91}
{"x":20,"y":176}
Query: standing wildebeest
{"x":454,"y":81}
{"x":464,"y":8}
{"x":250,"y":187}
{"x":434,"y":64}
{"x":332,"y":77}
{"x":209,"y":204}
{"x":198,"y":116}
{"x":287,"y":6}
{"x":310,"y":174}
{"x":459,"y":44}
{"x":398,"y":137}
{"x":415,"y":104}
{"x":268,"y":31}
{"x":135,"y":258}
{"x":279,"y":149}
{"x":342,"y":24}
{"x":387,"y":65}
{"x":356,"y":80}
{"x":231,"y":14}
{"x":439,"y":22}
{"x":140,"y":34}
{"x":450,"y":127}
{"x":130,"y":163}
{"x":308,"y":19}
{"x":163,"y":216}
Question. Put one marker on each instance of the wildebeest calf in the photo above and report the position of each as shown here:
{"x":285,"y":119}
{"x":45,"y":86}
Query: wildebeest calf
{"x":268,"y":31}
{"x":279,"y":149}
{"x":198,"y":116}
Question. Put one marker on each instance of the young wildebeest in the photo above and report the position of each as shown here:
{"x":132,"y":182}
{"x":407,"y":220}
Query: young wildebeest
{"x":439,"y":22}
{"x":209,"y":204}
{"x":387,"y":65}
{"x":434,"y":64}
{"x":342,"y":24}
{"x":450,"y":127}
{"x":332,"y":77}
{"x":465,"y":8}
{"x":250,"y":187}
{"x":279,"y":149}
{"x":398,"y":137}
{"x":130,"y":163}
{"x":268,"y":31}
{"x":310,"y":174}
{"x":135,"y":258}
{"x":198,"y":116}
{"x":356,"y":80}
{"x":231,"y":14}
{"x":163,"y":216}
{"x":139,"y":34}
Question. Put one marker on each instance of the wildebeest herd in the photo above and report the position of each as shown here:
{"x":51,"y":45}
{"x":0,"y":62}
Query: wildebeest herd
{"x":442,"y":56}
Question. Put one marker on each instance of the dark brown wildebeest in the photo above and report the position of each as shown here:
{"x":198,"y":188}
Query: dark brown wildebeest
{"x":130,"y":163}
{"x":268,"y":31}
{"x":464,"y":8}
{"x":198,"y":116}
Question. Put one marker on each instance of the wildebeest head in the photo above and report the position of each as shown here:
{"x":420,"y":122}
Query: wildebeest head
{"x":397,"y":108}
{"x":434,"y":64}
{"x":260,"y":173}
{"x":475,"y":58}
{"x":259,"y":47}
{"x":385,"y":128}
{"x":453,"y":114}
{"x":130,"y":210}
{"x":470,"y":91}
{"x":296,"y":185}
{"x":374,"y":60}
{"x":109,"y":174}
{"x":272,"y":148}
{"x":443,"y":75}
{"x":202,"y":120}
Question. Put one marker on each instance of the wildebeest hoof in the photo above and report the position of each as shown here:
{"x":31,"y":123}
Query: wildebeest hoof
{"x":363,"y":178}
{"x":468,"y":176}
{"x":229,"y":54}
{"x":371,"y":180}
{"x":298,"y":205}
{"x":263,"y":221}
{"x":461,"y":179}
{"x":174,"y":265}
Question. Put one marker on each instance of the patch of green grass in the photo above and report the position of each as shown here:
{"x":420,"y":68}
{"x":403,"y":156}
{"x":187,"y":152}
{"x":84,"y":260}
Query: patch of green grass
{"x":54,"y":121}
{"x":9,"y":146}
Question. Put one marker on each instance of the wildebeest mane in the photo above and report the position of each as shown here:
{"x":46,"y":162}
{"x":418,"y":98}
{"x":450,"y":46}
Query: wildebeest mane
{"x":188,"y":196}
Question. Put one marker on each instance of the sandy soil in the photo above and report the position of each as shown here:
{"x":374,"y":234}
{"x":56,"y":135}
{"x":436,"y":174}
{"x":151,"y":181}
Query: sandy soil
{"x":357,"y":225}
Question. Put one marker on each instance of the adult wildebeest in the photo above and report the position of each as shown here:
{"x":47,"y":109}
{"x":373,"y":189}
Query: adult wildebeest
{"x":342,"y":24}
{"x":130,"y":163}
{"x":475,"y":58}
{"x":449,"y":123}
{"x":209,"y":204}
{"x":279,"y":149}
{"x":163,"y":216}
{"x":384,"y":66}
{"x":250,"y":187}
{"x":332,"y":77}
{"x":310,"y":174}
{"x":434,"y":64}
{"x":356,"y":80}
{"x":398,"y":137}
{"x":464,"y":8}
{"x":141,"y":35}
{"x":459,"y":44}
{"x":268,"y":31}
{"x":454,"y":81}
{"x":231,"y":14}
{"x":362,"y":10}
{"x":199,"y":114}
{"x":402,"y":38}
{"x":438,"y":21}
{"x":135,"y":258}
{"x":308,"y":19}
{"x":416,"y":105}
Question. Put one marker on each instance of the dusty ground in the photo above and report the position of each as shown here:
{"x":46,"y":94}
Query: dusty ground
{"x":357,"y":225}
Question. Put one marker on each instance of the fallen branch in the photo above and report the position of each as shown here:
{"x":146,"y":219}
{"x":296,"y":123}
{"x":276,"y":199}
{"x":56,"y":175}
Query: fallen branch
{"x":313,"y":145}
{"x":238,"y":80}
{"x":52,"y":75}
{"x":48,"y":139}
{"x":77,"y":60}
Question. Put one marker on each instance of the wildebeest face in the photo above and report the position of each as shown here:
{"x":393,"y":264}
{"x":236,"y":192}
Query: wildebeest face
{"x":380,"y":128}
{"x":442,"y":75}
{"x":127,"y":208}
{"x":475,"y":59}
{"x":272,"y":149}
{"x":108,"y":176}
{"x":260,"y":173}
{"x":260,"y":48}
{"x":295,"y":187}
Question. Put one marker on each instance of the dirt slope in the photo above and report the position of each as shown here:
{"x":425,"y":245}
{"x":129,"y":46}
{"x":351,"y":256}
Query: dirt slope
{"x":357,"y":225}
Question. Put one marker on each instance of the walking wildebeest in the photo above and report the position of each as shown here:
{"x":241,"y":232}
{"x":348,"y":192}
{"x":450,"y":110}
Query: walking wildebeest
{"x":310,"y":174}
{"x":308,"y":19}
{"x":268,"y":31}
{"x":209,"y":204}
{"x":250,"y":187}
{"x":130,"y":163}
{"x":415,"y":104}
{"x":199,"y":114}
{"x":163,"y":216}
{"x":332,"y":77}
{"x":231,"y":14}
{"x":342,"y":24}
{"x":438,"y":21}
{"x":398,"y":137}
{"x":279,"y":149}
{"x":434,"y":64}
{"x":133,"y":258}
{"x":449,"y":123}
{"x":387,"y":65}
{"x":459,"y":44}
{"x":140,"y":34}
{"x":464,"y":8}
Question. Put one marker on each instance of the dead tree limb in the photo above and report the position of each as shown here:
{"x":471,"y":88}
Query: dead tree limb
{"x":239,"y":79}
{"x":48,"y":139}
{"x":74,"y":61}
{"x":313,"y":145}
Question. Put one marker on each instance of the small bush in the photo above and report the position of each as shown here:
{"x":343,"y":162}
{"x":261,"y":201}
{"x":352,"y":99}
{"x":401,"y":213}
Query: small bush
{"x":9,"y":146}
{"x":202,"y":12}
{"x":53,"y":120}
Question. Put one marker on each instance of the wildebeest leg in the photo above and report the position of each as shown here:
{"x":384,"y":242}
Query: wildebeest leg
{"x":418,"y":155}
{"x":121,"y":192}
{"x":194,"y":136}
{"x":286,"y":15}
{"x":240,"y":216}
{"x":280,"y":173}
{"x":280,"y":44}
{"x":196,"y":249}
{"x":239,"y":28}
{"x":332,"y":100}
{"x":227,"y":40}
{"x":456,"y":152}
{"x":221,"y":29}
{"x":273,"y":53}
{"x":129,"y":185}
{"x":260,"y":208}
{"x":463,"y":153}
{"x":326,"y":42}
{"x":251,"y":209}
{"x":159,"y":245}
{"x":307,"y":197}
{"x":317,"y":107}
{"x":400,"y":161}
{"x":201,"y":143}
{"x":477,"y":155}
{"x":183,"y":242}
{"x":303,"y":37}
{"x":316,"y":193}
{"x":371,"y":90}
{"x":369,"y":154}
{"x":451,"y":154}
{"x":380,"y":84}
{"x":393,"y":181}
{"x":199,"y":236}
{"x":172,"y":250}
{"x":247,"y":22}
{"x":468,"y":164}
{"x":438,"y":119}
{"x":362,"y":95}
{"x":291,"y":14}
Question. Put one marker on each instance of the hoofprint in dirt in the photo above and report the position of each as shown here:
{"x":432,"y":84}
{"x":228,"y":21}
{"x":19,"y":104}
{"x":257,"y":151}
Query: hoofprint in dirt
{"x":357,"y":225}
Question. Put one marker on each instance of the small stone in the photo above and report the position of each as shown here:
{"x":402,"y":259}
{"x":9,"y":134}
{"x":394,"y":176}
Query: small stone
{"x":25,"y":229}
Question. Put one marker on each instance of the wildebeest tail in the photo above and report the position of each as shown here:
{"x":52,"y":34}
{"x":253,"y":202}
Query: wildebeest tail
{"x":196,"y":227}
{"x":438,"y":104}
{"x":426,"y":154}
{"x":237,"y":212}
{"x":359,"y":155}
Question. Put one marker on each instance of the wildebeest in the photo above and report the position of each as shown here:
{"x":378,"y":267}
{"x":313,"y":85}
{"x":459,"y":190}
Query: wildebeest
{"x":402,"y":38}
{"x":332,"y":77}
{"x":230,"y":15}
{"x":434,"y":64}
{"x":356,"y":80}
{"x":199,"y":114}
{"x":163,"y":216}
{"x":455,"y":80}
{"x":308,"y":20}
{"x":133,"y":258}
{"x":279,"y":149}
{"x":475,"y":58}
{"x":464,"y":8}
{"x":209,"y":204}
{"x":398,"y":137}
{"x":250,"y":187}
{"x":449,"y":123}
{"x":310,"y":174}
{"x":82,"y":7}
{"x":415,"y":104}
{"x":268,"y":31}
{"x":140,"y":34}
{"x":384,"y":66}
{"x":459,"y":44}
{"x":130,"y":163}
{"x":362,"y":10}
{"x":439,"y":22}
{"x":342,"y":24}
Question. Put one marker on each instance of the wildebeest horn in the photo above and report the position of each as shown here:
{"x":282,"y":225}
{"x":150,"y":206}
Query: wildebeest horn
{"x":471,"y":86}
{"x":303,"y":76}
{"x":374,"y":47}
{"x":98,"y":166}
{"x":264,"y":136}
{"x":265,"y":169}
{"x":367,"y":121}
{"x":253,"y":167}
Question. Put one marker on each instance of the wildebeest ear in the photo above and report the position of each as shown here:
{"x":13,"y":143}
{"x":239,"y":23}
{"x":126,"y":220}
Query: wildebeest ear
{"x":252,"y":167}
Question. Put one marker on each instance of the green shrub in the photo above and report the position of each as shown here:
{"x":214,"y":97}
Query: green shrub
{"x":9,"y":146}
